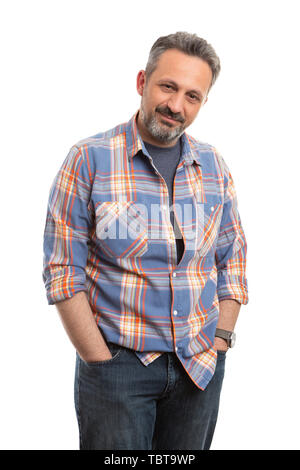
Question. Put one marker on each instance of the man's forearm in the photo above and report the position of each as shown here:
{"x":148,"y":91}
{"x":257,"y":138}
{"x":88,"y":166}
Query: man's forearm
{"x":228,"y":315}
{"x":79,"y":323}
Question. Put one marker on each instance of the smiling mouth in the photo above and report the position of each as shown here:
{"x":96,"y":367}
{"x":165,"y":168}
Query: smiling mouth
{"x":167,"y":118}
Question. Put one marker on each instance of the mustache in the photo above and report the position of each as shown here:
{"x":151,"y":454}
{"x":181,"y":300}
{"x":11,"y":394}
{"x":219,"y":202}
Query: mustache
{"x":170,"y":114}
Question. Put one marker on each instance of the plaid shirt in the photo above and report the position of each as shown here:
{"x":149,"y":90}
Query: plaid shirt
{"x":108,"y":233}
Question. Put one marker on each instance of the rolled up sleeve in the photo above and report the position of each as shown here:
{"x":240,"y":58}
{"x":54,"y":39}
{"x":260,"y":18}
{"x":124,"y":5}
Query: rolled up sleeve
{"x":67,"y":228}
{"x":231,"y":249}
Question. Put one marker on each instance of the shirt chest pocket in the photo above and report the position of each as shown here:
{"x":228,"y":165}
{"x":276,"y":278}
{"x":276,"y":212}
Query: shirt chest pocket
{"x":209,"y":218}
{"x":121,"y":229}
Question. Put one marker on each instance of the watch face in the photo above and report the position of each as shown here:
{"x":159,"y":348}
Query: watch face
{"x":232,"y":340}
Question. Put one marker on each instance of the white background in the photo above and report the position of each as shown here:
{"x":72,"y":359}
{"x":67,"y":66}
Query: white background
{"x":69,"y":71}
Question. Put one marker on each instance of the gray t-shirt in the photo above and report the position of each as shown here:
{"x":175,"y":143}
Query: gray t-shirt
{"x":165,"y":160}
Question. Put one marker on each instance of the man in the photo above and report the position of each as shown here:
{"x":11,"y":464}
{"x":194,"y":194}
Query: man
{"x":144,"y":257}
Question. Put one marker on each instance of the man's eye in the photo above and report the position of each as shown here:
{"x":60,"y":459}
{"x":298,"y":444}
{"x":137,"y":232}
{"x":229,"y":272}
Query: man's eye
{"x":168,"y":87}
{"x":194,"y":97}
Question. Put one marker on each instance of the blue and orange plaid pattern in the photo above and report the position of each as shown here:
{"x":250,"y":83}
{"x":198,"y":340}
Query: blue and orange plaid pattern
{"x":103,"y":236}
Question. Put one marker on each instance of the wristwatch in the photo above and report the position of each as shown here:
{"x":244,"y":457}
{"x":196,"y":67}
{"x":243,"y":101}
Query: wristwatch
{"x":229,"y":336}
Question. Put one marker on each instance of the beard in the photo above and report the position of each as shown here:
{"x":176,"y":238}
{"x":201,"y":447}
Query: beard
{"x":164,"y":133}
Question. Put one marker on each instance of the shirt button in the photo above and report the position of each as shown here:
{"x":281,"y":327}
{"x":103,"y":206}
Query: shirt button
{"x":212,"y":208}
{"x":175,"y":312}
{"x":176,"y":349}
{"x":174,"y":274}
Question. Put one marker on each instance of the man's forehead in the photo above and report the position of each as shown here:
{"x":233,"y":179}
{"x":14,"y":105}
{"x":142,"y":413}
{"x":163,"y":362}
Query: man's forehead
{"x":183,"y":70}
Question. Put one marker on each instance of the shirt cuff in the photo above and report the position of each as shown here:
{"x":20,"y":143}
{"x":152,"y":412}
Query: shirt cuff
{"x":232,"y":287}
{"x":63,"y":285}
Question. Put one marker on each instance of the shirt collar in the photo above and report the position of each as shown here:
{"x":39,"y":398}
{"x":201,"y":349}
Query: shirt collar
{"x":135,"y":144}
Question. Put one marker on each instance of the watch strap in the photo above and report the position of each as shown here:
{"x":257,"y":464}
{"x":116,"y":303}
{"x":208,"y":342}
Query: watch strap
{"x":224,"y":334}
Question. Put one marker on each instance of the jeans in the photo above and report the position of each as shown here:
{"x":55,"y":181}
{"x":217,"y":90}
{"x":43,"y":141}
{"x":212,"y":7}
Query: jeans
{"x":123,"y":405}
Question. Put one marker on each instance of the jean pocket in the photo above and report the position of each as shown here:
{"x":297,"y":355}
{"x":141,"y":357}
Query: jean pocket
{"x":115,"y":350}
{"x":221,"y":354}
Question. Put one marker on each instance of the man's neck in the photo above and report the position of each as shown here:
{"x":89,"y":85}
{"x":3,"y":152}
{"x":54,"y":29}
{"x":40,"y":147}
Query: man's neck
{"x":162,"y":149}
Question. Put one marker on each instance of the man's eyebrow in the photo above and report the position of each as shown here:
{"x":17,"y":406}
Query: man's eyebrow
{"x":197,"y":92}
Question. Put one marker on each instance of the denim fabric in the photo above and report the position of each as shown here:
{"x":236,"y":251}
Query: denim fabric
{"x":123,"y":405}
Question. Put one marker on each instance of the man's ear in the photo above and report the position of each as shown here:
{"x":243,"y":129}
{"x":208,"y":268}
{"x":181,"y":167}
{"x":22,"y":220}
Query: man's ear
{"x":140,"y":82}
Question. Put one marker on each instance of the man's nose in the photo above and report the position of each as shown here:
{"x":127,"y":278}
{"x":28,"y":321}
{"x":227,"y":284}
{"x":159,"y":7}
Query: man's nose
{"x":175,"y":103}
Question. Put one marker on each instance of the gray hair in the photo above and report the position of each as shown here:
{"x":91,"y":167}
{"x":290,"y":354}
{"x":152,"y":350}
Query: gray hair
{"x":188,"y":43}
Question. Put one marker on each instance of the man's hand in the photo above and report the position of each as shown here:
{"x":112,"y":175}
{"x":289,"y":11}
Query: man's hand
{"x":220,"y":344}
